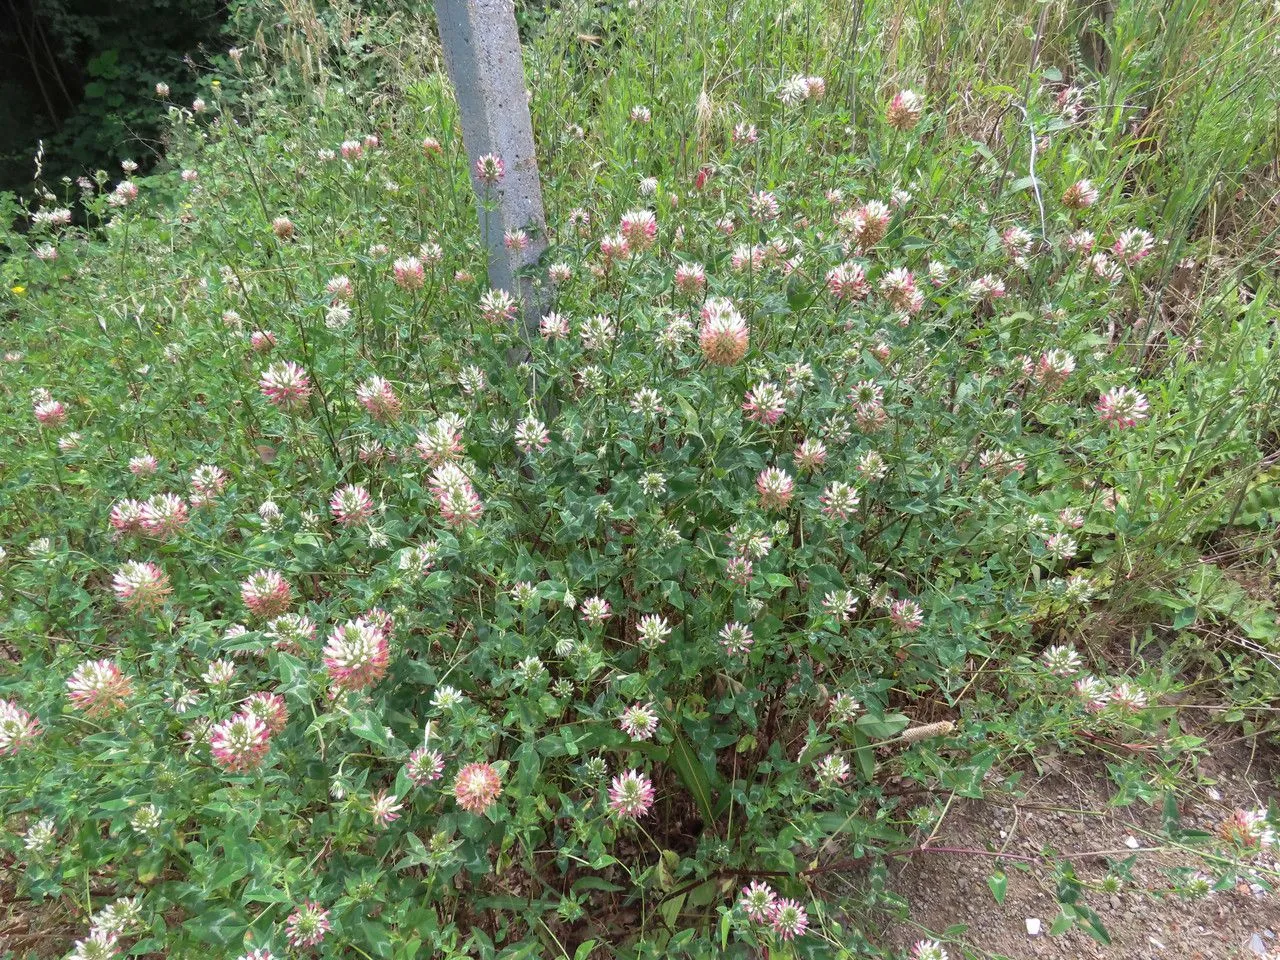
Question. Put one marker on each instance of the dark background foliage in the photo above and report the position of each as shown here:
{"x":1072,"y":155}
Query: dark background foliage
{"x":80,"y":76}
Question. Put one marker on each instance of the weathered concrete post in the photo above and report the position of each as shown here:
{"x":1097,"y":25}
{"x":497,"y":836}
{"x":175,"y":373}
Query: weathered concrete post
{"x":482,"y":55}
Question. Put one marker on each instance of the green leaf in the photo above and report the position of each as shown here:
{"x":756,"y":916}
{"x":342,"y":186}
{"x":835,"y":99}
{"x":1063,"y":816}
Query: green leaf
{"x":881,"y":728}
{"x":693,"y":776}
{"x":999,"y":884}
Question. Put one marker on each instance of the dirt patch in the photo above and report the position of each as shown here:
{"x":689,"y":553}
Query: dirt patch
{"x":1068,"y":811}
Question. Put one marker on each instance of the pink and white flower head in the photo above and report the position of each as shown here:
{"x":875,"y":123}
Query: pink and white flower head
{"x":378,"y":397}
{"x":653,"y":630}
{"x":498,"y":306}
{"x":439,"y":443}
{"x":356,"y":655}
{"x":559,"y":273}
{"x":630,"y":795}
{"x":290,"y":632}
{"x":554,"y":326}
{"x":516,"y":241}
{"x":691,"y":279}
{"x":307,"y":925}
{"x":739,"y":570}
{"x":143,"y":466}
{"x":758,"y":901}
{"x":457,"y":499}
{"x":490,"y":170}
{"x":898,"y":287}
{"x":46,"y":252}
{"x":269,"y":708}
{"x":140,"y":586}
{"x":641,"y":114}
{"x":101,"y":944}
{"x":164,"y":515}
{"x":531,"y":436}
{"x":736,"y":638}
{"x":1080,"y":195}
{"x":1132,"y":246}
{"x":283,"y":228}
{"x":49,"y":413}
{"x":986,"y":289}
{"x":351,"y":149}
{"x":906,"y":615}
{"x":1122,"y":407}
{"x":614,"y":247}
{"x":409,"y":273}
{"x":98,"y":687}
{"x":424,"y":766}
{"x":868,"y":224}
{"x":1016,"y":241}
{"x":724,"y":336}
{"x":638,"y":721}
{"x":928,"y":950}
{"x":1053,"y":368}
{"x":431,"y":146}
{"x":266,"y":593}
{"x":839,"y":500}
{"x":18,"y":729}
{"x":1128,"y":697}
{"x":1104,"y":268}
{"x":476,"y":787}
{"x":1061,"y":660}
{"x":848,"y":281}
{"x":745,"y":134}
{"x":764,"y":206}
{"x":1093,"y":692}
{"x":126,"y":516}
{"x":339,"y":288}
{"x":904,"y":110}
{"x":285,"y":385}
{"x":124,"y":194}
{"x":1081,"y":241}
{"x":765,"y":403}
{"x":240,"y":743}
{"x":831,"y":771}
{"x":207,"y":482}
{"x":384,"y":808}
{"x":1249,"y":829}
{"x":789,"y":920}
{"x":811,"y":454}
{"x":371,"y":142}
{"x":775,"y":487}
{"x":351,"y":505}
{"x":639,"y":228}
{"x":595,"y":611}
{"x":162,"y":90}
{"x":262,"y":341}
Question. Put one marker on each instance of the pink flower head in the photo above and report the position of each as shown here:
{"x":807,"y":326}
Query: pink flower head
{"x":736,"y":638}
{"x":904,"y":110}
{"x":239,"y":743}
{"x":351,"y":505}
{"x":758,"y":901}
{"x":498,"y":306}
{"x":424,"y":766}
{"x":724,"y":336}
{"x":764,"y":206}
{"x":477,"y":787}
{"x":282,"y":227}
{"x":269,"y":708}
{"x":1053,"y":368}
{"x":595,"y":610}
{"x":639,"y":228}
{"x":98,"y":687}
{"x":140,"y":586}
{"x":531,"y":435}
{"x":143,"y":466}
{"x":126,"y":516}
{"x":207,"y":482}
{"x":1122,"y":407}
{"x":839,"y":500}
{"x":356,"y":655}
{"x":638,"y":721}
{"x":789,"y":919}
{"x":614,"y":247}
{"x":339,"y":288}
{"x":351,"y":149}
{"x":868,"y":224}
{"x":554,"y":326}
{"x":164,"y":515}
{"x":765,"y":403}
{"x":307,"y":925}
{"x":630,"y":794}
{"x":285,"y":385}
{"x":906,"y":615}
{"x":459,"y":504}
{"x":1080,"y":195}
{"x":49,"y":413}
{"x":266,"y":593}
{"x":848,"y":281}
{"x":379,"y":397}
{"x":490,"y":170}
{"x":1133,"y":245}
{"x":409,"y":273}
{"x":775,"y":487}
{"x":17,"y":728}
{"x":739,"y":570}
{"x":691,"y":279}
{"x":384,"y":808}
{"x":811,"y":454}
{"x":898,"y":287}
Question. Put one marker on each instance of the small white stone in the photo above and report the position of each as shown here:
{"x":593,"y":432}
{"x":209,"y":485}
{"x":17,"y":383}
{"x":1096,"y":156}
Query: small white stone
{"x":1132,"y":843}
{"x":1033,"y":926}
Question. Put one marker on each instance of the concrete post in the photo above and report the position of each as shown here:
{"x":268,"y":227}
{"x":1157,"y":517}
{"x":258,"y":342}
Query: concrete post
{"x":482,"y":55}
